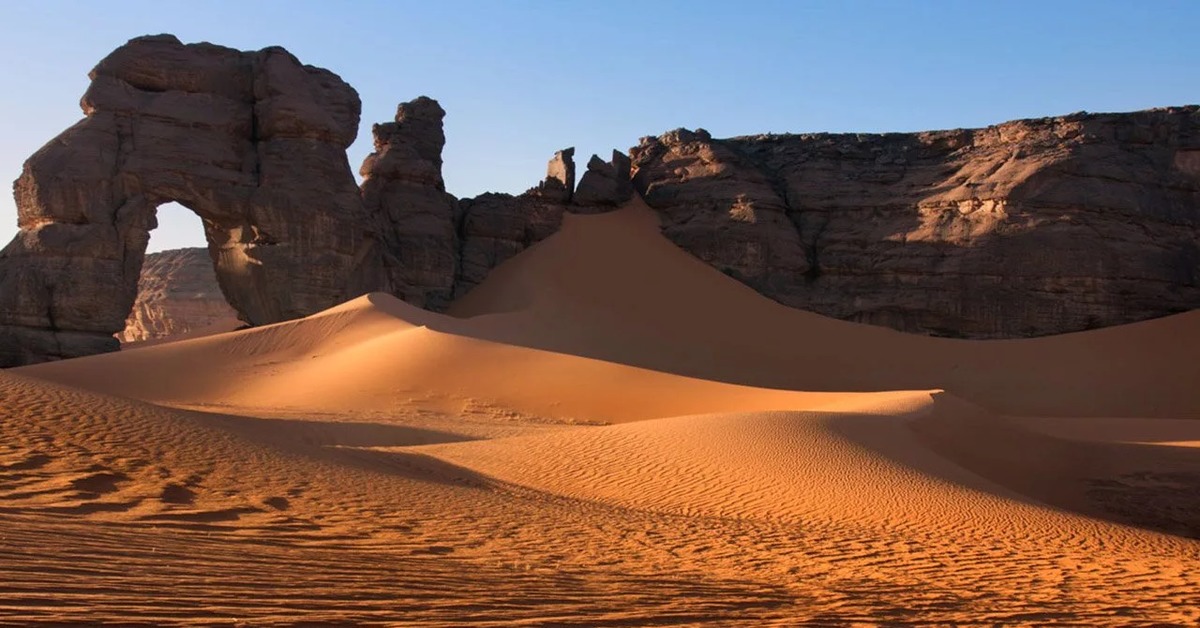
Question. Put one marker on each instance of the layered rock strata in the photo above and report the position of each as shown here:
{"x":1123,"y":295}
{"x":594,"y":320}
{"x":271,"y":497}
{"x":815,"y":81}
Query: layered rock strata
{"x":177,"y":294}
{"x":1027,"y":228}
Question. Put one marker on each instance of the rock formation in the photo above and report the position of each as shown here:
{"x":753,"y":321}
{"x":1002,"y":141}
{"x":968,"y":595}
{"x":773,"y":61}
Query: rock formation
{"x":253,"y":142}
{"x":605,"y":184}
{"x":403,"y":187}
{"x":1022,"y":229}
{"x":494,"y":227}
{"x":177,"y":294}
{"x":559,"y":183}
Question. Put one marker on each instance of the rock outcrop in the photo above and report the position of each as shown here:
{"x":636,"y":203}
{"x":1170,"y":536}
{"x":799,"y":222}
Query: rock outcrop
{"x":605,"y":184}
{"x":403,"y":188}
{"x":177,"y":294}
{"x":1021,"y":229}
{"x":253,"y":142}
{"x":559,"y":183}
{"x":495,"y":227}
{"x":1026,"y":228}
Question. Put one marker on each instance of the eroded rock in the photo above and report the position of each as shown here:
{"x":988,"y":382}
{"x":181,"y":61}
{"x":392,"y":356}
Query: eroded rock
{"x":403,"y":189}
{"x":177,"y":294}
{"x":495,"y":227}
{"x":253,"y":142}
{"x":1026,"y":228}
{"x":605,"y":184}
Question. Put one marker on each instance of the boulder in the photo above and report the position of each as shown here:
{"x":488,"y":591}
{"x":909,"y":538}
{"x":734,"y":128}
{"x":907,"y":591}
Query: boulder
{"x":605,"y":184}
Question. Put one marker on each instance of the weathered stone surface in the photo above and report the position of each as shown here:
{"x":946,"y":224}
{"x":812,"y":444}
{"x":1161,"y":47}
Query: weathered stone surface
{"x":253,"y":142}
{"x":494,"y":227}
{"x":177,"y":294}
{"x":560,"y":177}
{"x":403,"y":188}
{"x":1026,"y":228}
{"x":605,"y":184}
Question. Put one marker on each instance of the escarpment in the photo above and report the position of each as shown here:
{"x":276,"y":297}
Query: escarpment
{"x":1026,"y":228}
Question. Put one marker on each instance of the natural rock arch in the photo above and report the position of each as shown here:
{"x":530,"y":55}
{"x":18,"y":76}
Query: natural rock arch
{"x":255,"y":144}
{"x":252,"y":142}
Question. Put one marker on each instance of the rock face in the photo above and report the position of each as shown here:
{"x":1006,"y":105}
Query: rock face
{"x":403,"y":188}
{"x":1026,"y":228}
{"x":253,"y":142}
{"x":494,"y":227}
{"x":177,"y":293}
{"x":559,"y":183}
{"x":604,"y":184}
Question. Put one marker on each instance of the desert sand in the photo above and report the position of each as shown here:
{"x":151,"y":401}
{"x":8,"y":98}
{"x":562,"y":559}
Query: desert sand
{"x":607,"y":431}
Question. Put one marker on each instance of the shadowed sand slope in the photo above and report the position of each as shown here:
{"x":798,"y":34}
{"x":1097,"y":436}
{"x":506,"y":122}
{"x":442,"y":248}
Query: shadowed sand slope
{"x":554,"y":455}
{"x":910,"y":458}
{"x":611,"y":287}
{"x":115,"y":510}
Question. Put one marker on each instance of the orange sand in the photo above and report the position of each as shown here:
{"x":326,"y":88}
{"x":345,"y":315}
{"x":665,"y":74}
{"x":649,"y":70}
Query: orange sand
{"x":608,"y":432}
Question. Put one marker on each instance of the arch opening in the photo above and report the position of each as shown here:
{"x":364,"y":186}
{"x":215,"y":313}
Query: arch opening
{"x":178,"y":294}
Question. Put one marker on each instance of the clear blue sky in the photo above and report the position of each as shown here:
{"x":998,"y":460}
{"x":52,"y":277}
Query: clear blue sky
{"x":520,"y":79}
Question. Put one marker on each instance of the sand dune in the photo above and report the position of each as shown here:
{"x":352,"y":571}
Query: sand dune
{"x":225,"y":325}
{"x":607,"y":431}
{"x":377,"y":353}
{"x":611,"y":287}
{"x":892,"y":460}
{"x":164,"y":515}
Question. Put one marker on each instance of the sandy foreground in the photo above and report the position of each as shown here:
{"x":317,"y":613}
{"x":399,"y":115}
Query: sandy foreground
{"x":606,"y":432}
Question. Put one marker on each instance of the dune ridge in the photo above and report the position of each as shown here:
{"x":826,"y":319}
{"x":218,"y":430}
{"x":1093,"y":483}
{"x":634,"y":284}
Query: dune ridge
{"x":607,"y":431}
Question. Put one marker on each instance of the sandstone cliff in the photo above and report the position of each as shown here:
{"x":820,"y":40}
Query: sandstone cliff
{"x":177,"y":294}
{"x":1021,"y":229}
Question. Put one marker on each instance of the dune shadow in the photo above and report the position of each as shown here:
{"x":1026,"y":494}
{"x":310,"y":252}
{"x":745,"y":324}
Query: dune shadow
{"x":1148,"y":486}
{"x":330,"y":433}
{"x":358,"y":445}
